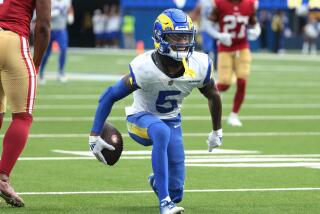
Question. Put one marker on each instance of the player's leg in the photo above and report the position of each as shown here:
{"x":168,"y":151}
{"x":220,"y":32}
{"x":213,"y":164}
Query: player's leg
{"x":2,"y":101}
{"x":242,"y":69}
{"x":148,"y":129}
{"x":19,"y":85}
{"x":63,"y":40}
{"x":225,"y":70}
{"x":176,"y":159}
{"x":45,"y":58}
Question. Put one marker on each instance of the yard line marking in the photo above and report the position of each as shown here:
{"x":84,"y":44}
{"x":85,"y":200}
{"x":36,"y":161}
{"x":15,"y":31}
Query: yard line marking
{"x":146,"y":152}
{"x":268,"y":96}
{"x":189,"y":191}
{"x":256,"y":56}
{"x":188,"y":134}
{"x":248,"y":160}
{"x":87,"y":77}
{"x":256,"y":156}
{"x":190,"y":159}
{"x":193,"y":106}
{"x":184,"y":118}
{"x":256,"y":165}
{"x":68,"y":97}
{"x":283,"y":68}
{"x":283,"y":57}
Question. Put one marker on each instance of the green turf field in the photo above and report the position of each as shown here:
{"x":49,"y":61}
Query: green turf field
{"x":270,"y":165}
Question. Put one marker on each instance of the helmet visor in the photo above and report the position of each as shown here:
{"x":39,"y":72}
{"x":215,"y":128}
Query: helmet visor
{"x":179,"y":41}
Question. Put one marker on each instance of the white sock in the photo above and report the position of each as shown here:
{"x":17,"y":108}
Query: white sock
{"x":167,"y":198}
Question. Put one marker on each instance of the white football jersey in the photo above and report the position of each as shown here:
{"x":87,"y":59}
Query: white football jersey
{"x":59,"y":14}
{"x":160,"y":94}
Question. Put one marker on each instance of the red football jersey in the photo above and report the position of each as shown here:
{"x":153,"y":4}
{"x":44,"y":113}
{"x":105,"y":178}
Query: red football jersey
{"x":234,"y":18}
{"x":16,"y":15}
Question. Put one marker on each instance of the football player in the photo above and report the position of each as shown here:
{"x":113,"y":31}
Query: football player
{"x":19,"y":79}
{"x":237,"y":23}
{"x":159,"y":80}
{"x":208,"y":31}
{"x":61,"y":14}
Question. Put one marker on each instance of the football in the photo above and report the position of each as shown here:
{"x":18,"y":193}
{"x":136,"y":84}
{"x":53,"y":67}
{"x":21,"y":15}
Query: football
{"x":112,"y":136}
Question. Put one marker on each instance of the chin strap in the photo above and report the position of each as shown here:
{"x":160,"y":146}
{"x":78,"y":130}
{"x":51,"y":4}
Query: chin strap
{"x":188,"y":72}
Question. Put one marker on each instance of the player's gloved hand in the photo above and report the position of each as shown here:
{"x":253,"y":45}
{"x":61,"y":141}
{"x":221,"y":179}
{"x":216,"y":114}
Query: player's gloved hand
{"x":225,"y":39}
{"x":254,"y":33}
{"x":97,"y":144}
{"x":214,"y":139}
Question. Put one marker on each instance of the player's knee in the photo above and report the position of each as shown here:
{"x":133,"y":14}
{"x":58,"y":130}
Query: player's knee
{"x":25,"y":116}
{"x":223,"y":87}
{"x":176,"y":195}
{"x":159,"y":132}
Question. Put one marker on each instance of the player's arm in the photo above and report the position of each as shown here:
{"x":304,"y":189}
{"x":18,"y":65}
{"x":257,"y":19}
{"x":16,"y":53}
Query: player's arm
{"x":70,"y":15}
{"x":112,"y":94}
{"x":214,"y":31}
{"x":254,"y":29}
{"x":41,"y":30}
{"x":214,"y":15}
{"x":211,"y":92}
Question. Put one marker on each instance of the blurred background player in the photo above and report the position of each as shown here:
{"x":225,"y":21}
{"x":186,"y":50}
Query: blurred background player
{"x":98,"y":22}
{"x":234,"y":18}
{"x":207,"y":28}
{"x":19,"y":79}
{"x":311,"y":34}
{"x":159,"y":80}
{"x":61,"y":14}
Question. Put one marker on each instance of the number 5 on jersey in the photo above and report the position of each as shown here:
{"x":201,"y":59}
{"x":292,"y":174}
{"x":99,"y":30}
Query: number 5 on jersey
{"x":164,"y":104}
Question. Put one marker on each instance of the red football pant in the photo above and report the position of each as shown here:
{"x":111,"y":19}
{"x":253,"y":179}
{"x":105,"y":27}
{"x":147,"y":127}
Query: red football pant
{"x":240,"y":93}
{"x":14,"y":141}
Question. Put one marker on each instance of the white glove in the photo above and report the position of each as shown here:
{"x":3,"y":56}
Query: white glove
{"x":254,"y":33}
{"x":214,"y":139}
{"x":97,"y":144}
{"x":225,"y":39}
{"x":70,"y":19}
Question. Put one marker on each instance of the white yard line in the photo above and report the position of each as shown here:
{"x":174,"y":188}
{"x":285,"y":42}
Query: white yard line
{"x":188,"y":134}
{"x":248,"y":160}
{"x":147,"y":152}
{"x":268,"y":96}
{"x":188,"y":191}
{"x":282,"y":57}
{"x":219,"y":158}
{"x":184,"y":118}
{"x":205,"y":161}
{"x":256,"y":165}
{"x":187,"y":106}
{"x":258,"y":69}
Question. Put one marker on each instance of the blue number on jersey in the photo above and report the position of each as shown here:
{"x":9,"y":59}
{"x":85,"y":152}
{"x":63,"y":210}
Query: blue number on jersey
{"x":163,"y":99}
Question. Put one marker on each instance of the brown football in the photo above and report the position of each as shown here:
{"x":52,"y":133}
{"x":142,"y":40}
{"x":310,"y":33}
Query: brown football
{"x":112,"y":136}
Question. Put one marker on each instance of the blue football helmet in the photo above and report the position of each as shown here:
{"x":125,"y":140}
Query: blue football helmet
{"x":173,"y":34}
